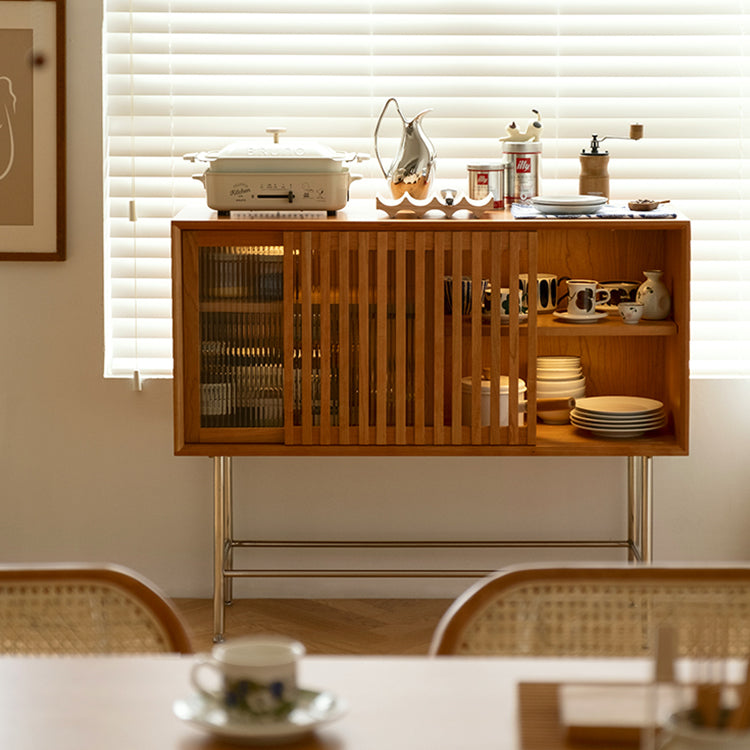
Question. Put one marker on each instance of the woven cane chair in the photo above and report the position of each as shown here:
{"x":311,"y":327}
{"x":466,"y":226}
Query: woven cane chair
{"x":600,"y":611}
{"x":85,"y":609}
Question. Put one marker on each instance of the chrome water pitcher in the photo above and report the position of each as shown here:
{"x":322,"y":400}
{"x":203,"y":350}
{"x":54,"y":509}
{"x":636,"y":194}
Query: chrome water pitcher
{"x":412,"y":169}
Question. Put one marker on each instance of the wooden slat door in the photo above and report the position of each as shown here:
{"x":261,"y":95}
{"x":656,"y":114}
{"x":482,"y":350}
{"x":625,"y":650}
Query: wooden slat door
{"x":372,"y":355}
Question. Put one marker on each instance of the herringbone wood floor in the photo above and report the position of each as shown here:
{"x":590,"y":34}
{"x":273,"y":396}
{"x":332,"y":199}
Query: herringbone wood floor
{"x":325,"y":626}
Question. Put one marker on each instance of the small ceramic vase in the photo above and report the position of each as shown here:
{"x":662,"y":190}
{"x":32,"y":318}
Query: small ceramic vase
{"x":654,"y":296}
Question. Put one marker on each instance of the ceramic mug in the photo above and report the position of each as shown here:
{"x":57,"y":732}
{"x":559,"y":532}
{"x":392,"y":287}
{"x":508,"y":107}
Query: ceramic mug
{"x":505,"y":301}
{"x":630,"y":312}
{"x":466,"y":294}
{"x":256,"y":675}
{"x":546,"y":290}
{"x":620,"y":291}
{"x":583,"y":297}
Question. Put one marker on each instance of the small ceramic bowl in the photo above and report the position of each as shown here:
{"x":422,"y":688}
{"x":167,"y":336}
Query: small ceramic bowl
{"x":466,"y":293}
{"x":630,"y":312}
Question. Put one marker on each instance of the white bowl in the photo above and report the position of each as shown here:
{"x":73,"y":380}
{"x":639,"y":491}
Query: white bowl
{"x":577,"y":393}
{"x":558,"y":360}
{"x":555,"y":417}
{"x":559,"y":374}
{"x":557,"y":385}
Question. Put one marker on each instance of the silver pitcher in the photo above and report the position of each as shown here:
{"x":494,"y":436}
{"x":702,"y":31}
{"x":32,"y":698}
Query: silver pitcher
{"x":412,"y":169}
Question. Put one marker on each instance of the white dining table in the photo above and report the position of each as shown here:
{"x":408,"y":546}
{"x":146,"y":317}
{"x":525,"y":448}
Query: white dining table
{"x":394,"y":703}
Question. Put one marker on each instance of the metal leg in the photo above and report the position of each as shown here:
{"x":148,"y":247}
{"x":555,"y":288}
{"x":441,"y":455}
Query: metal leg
{"x":647,"y":509}
{"x":220,"y":489}
{"x":640,"y":508}
{"x":634,"y":540}
{"x":228,"y":529}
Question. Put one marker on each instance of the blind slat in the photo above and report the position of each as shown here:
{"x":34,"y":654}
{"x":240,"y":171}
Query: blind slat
{"x":185,"y":76}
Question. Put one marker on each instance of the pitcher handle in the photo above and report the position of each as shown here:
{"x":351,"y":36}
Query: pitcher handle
{"x":377,"y":127}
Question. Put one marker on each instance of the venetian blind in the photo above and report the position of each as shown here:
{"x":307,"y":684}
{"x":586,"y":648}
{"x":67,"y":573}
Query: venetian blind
{"x":187,"y":75}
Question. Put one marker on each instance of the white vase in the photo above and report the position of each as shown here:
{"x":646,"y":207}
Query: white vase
{"x":654,"y":295}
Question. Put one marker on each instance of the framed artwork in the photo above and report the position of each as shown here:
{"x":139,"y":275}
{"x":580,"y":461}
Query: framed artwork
{"x":32,"y":130}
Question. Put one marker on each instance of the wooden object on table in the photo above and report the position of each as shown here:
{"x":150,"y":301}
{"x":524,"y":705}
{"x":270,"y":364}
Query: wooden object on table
{"x":740,"y":717}
{"x":541,"y":725}
{"x":85,"y":609}
{"x":406,"y":204}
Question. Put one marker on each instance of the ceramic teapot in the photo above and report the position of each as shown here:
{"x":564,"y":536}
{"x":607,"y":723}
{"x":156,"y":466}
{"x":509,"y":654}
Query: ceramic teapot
{"x":412,"y":169}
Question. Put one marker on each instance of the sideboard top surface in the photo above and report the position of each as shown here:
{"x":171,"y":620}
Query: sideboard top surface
{"x":366,"y":217}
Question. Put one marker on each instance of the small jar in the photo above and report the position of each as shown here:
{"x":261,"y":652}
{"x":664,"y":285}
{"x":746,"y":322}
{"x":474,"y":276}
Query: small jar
{"x":487,"y":178}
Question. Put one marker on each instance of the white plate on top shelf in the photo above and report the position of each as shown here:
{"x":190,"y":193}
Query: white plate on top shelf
{"x":568,"y":204}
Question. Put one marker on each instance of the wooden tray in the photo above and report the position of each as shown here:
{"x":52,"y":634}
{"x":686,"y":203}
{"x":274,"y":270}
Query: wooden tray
{"x":541,"y":726}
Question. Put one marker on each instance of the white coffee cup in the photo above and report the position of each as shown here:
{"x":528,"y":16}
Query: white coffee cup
{"x":583,"y":297}
{"x":255,"y":676}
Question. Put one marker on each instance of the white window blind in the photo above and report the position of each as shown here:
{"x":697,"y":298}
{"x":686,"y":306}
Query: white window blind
{"x":188,"y":75}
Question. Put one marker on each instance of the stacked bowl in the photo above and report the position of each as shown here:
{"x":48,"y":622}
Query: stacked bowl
{"x":558,"y":377}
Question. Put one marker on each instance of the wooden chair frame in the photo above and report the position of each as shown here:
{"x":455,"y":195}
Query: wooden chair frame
{"x":607,"y":610}
{"x":82,"y":608}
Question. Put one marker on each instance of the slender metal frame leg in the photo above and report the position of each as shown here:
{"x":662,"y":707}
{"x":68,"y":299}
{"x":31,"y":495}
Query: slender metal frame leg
{"x":220,"y":468}
{"x":640,"y":508}
{"x":634,"y":540}
{"x":647,"y":509}
{"x":228,"y":530}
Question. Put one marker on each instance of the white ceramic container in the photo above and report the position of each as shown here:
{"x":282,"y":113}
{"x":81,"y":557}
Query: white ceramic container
{"x":466,"y":391}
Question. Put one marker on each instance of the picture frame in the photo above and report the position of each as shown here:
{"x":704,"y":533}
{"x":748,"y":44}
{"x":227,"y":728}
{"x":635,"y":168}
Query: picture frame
{"x":32,"y":130}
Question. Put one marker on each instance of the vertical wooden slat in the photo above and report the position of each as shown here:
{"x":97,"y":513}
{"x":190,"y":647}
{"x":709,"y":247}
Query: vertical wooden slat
{"x":289,"y":318}
{"x":420,"y":332}
{"x":532,"y":340}
{"x":363,"y":252}
{"x":381,"y":340}
{"x":438,"y":356}
{"x":476,"y":336}
{"x":498,"y":248}
{"x":456,"y":325}
{"x":344,"y":343}
{"x":188,"y":274}
{"x":306,"y":300}
{"x":517,"y":244}
{"x":400,"y":359}
{"x":325,"y":338}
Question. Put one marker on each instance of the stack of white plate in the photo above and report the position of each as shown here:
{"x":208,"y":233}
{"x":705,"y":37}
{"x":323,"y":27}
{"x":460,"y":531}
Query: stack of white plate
{"x":559,"y":377}
{"x":618,"y":416}
{"x":568,"y":204}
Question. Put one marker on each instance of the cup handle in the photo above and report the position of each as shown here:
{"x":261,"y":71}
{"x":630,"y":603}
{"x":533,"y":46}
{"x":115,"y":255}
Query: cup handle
{"x":203,"y":663}
{"x":604,"y":299}
{"x":561,"y":297}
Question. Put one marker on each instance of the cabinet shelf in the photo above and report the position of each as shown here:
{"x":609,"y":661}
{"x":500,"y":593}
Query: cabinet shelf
{"x":547,"y":325}
{"x":275,"y":354}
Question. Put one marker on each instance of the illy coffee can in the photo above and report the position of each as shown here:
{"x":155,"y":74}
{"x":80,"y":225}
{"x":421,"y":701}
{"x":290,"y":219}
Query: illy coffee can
{"x":522,"y":162}
{"x":487,"y":178}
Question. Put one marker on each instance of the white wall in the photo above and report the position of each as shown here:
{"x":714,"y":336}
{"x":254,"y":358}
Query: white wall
{"x":87,"y":471}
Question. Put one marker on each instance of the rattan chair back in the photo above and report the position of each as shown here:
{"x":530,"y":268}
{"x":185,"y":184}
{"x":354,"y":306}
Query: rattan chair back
{"x":600,"y":611}
{"x":85,"y":609}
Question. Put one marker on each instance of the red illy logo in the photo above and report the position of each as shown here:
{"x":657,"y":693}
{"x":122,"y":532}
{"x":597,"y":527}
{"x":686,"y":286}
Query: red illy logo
{"x":523,"y":165}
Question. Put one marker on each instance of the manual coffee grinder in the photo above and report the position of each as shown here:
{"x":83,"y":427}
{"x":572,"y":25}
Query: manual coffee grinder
{"x":594,"y":177}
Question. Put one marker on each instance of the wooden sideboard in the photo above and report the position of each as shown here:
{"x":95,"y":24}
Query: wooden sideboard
{"x":331,"y":336}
